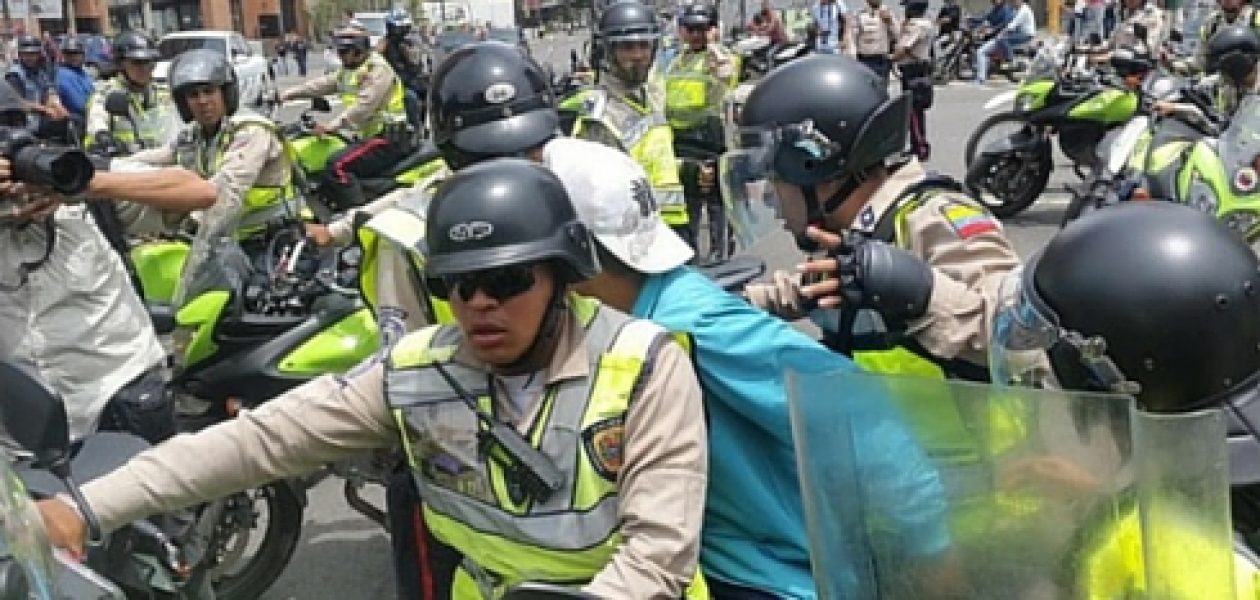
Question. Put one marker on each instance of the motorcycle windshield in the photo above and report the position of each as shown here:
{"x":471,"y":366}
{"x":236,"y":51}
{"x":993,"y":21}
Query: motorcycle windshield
{"x":915,"y":487}
{"x":1240,"y":145}
{"x":213,"y":263}
{"x":22,"y":538}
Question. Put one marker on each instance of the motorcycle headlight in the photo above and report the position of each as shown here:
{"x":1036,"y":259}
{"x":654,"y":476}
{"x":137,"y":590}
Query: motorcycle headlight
{"x":1242,"y":222}
{"x":1202,"y":197}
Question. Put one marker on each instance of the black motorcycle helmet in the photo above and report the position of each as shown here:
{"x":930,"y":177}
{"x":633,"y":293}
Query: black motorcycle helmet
{"x":488,"y":100}
{"x":135,"y":45}
{"x":351,"y":37}
{"x":29,"y":43}
{"x":1233,"y":51}
{"x":476,"y":222}
{"x":72,"y":45}
{"x":626,"y":21}
{"x":202,"y":67}
{"x":1173,"y":293}
{"x":397,"y":23}
{"x":831,"y":119}
{"x":698,"y":15}
{"x":915,"y":8}
{"x":1127,"y":61}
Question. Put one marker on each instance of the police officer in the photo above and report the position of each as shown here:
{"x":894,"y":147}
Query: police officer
{"x":914,"y":276}
{"x":241,"y":153}
{"x":626,"y":108}
{"x":875,"y":36}
{"x":1234,"y":52}
{"x":374,"y":111}
{"x":696,"y":82}
{"x":914,"y":63}
{"x":151,"y":108}
{"x":402,"y":49}
{"x":607,"y":490}
{"x":66,"y":304}
{"x":33,"y":78}
{"x":1228,"y":12}
{"x":1148,"y":16}
{"x":1068,"y":320}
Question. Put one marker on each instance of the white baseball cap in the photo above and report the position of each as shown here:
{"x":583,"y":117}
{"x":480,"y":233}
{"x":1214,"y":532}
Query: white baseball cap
{"x":614,"y":199}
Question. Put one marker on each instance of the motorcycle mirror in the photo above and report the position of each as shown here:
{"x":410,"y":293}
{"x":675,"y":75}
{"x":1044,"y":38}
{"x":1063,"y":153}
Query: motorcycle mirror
{"x":545,"y":591}
{"x":34,"y":416}
{"x":117,"y":104}
{"x":1176,"y":36}
{"x":320,"y":104}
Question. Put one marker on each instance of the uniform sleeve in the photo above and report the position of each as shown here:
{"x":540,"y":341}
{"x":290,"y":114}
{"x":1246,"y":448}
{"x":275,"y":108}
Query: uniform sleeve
{"x":969,"y":255}
{"x":374,"y":91}
{"x":322,"y":421}
{"x":910,"y":35}
{"x":342,"y":228}
{"x":662,"y":486}
{"x":320,"y":86}
{"x":161,"y":156}
{"x":251,"y":148}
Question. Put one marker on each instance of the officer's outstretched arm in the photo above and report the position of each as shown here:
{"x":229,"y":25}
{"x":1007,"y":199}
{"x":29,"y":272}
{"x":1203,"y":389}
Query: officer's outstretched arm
{"x":662,"y":485}
{"x":320,"y":86}
{"x":170,"y":189}
{"x":322,"y":421}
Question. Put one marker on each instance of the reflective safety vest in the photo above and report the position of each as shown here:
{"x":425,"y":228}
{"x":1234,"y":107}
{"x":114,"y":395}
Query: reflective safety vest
{"x":386,"y":228}
{"x":392,"y":112}
{"x":639,"y":131}
{"x":262,"y":203}
{"x":692,"y":93}
{"x":470,"y":499}
{"x":153,"y":109}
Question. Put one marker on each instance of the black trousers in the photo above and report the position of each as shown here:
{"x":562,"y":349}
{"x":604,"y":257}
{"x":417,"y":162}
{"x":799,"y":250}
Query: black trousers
{"x":367,"y":158}
{"x":424,"y":568}
{"x":879,"y":64}
{"x":916,"y":80}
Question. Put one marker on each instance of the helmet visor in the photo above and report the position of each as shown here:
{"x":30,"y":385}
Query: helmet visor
{"x":752,"y":208}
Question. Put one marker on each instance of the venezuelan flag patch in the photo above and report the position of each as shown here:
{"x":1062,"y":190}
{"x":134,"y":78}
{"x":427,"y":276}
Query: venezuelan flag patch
{"x":968,"y":221}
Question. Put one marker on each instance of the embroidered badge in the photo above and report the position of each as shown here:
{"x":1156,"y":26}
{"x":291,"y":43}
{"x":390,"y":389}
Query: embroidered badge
{"x":605,"y":443}
{"x":866,"y":218}
{"x":968,"y":221}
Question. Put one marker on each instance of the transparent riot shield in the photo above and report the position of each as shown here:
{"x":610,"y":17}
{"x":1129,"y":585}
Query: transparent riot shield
{"x":24,"y":547}
{"x":1007,"y":493}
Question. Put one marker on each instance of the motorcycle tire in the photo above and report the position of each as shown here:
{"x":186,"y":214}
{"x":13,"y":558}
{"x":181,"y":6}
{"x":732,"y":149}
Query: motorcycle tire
{"x":1015,"y":196}
{"x":280,"y":540}
{"x":973,"y":142}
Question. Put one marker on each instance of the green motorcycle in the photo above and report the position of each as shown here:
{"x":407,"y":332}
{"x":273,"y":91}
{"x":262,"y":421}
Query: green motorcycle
{"x":1012,"y":171}
{"x":244,"y":335}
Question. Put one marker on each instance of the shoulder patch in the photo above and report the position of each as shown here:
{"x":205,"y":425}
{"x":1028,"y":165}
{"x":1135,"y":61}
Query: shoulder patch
{"x":967,"y":220}
{"x":605,"y":446}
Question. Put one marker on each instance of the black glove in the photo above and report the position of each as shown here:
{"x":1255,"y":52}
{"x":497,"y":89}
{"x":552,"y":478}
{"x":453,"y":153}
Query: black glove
{"x":883,"y":277}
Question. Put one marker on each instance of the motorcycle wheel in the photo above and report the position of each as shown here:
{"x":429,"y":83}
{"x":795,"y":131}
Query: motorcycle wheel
{"x":1006,"y":184}
{"x":973,"y":142}
{"x":279,"y":541}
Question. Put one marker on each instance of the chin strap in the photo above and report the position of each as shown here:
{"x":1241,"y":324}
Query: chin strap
{"x":548,"y":331}
{"x":816,"y":212}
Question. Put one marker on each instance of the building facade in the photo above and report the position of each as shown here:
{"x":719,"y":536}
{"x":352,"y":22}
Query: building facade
{"x":255,"y":19}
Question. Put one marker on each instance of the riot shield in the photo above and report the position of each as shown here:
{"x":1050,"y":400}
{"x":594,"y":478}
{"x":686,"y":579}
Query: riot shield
{"x":925,"y":488}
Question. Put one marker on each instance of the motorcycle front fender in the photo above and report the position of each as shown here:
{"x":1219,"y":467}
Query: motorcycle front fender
{"x":1028,"y":139}
{"x":999,"y":100}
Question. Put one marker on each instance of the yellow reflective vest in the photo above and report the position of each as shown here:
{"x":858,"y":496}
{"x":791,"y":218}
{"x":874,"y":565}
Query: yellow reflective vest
{"x":392,"y":112}
{"x":152,"y":117}
{"x":470,"y":500}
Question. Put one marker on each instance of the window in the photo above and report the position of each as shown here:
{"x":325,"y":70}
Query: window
{"x":239,"y":45}
{"x":172,"y":47}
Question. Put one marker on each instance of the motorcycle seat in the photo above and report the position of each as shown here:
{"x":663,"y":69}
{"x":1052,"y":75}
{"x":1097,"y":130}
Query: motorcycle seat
{"x":97,"y":454}
{"x":427,"y":152}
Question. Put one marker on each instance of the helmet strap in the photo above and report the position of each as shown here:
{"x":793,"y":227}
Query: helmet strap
{"x":535,"y":355}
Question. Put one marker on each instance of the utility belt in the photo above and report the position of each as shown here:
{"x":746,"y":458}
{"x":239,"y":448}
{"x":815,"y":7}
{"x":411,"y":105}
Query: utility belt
{"x":915,"y":68}
{"x":882,"y":58}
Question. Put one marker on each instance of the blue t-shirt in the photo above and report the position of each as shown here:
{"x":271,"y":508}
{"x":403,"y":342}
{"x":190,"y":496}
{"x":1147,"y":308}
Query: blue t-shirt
{"x":754,"y":527}
{"x":74,"y":86}
{"x":999,"y":15}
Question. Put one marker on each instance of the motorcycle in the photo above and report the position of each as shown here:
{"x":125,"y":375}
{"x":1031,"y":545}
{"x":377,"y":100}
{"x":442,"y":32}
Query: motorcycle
{"x":139,"y":560}
{"x":955,"y":56}
{"x":1060,"y":494}
{"x":1015,"y":169}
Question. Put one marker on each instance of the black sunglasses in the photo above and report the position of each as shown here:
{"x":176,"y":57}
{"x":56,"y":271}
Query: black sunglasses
{"x":696,"y":28}
{"x":501,"y":283}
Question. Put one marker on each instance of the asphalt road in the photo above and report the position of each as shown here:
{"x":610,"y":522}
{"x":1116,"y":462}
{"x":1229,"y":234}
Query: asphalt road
{"x":343,"y":555}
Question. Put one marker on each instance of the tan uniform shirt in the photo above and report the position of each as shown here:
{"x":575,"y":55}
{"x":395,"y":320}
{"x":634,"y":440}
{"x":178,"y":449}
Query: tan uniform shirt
{"x":968,"y":265}
{"x":254,"y":156}
{"x":872,"y":36}
{"x":1149,"y":16}
{"x":374,"y":90}
{"x":661,"y":488}
{"x":914,"y":42}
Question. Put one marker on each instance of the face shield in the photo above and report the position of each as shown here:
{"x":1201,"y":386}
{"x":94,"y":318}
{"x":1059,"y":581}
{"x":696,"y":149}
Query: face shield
{"x":1027,"y":346}
{"x":748,"y":170}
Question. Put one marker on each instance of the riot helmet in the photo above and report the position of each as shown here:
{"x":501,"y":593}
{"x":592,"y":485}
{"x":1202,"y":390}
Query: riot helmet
{"x":1159,"y":301}
{"x":488,"y":100}
{"x":698,"y":15}
{"x":397,"y":23}
{"x":29,"y":44}
{"x":203,"y":67}
{"x":915,"y":8}
{"x":135,"y":45}
{"x":821,"y":118}
{"x":352,"y":43}
{"x":628,"y":24}
{"x":1233,"y":51}
{"x":72,"y":45}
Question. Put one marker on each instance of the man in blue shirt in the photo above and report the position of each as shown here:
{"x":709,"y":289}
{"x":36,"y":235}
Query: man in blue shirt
{"x":754,"y":543}
{"x":74,"y":84}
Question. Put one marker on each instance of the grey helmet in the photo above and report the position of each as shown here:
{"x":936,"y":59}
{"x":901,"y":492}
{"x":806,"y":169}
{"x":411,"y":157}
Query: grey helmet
{"x":202,"y":67}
